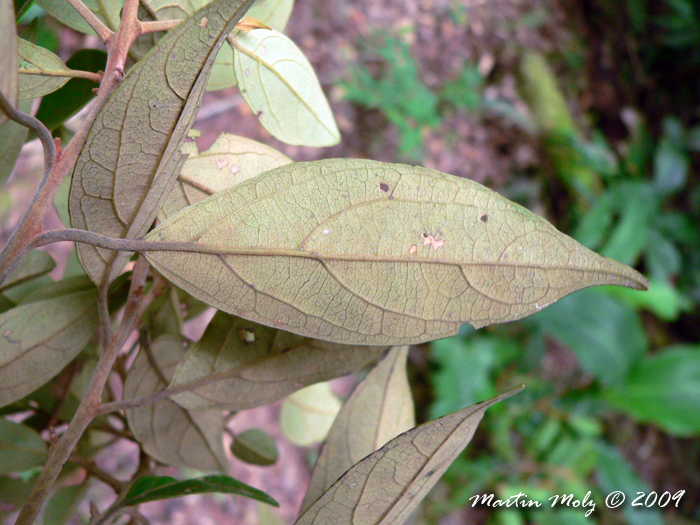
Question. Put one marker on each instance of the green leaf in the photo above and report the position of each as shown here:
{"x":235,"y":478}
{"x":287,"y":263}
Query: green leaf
{"x":307,"y":415}
{"x":52,"y":71}
{"x":59,"y":106}
{"x":63,"y":503}
{"x":43,"y":334}
{"x":664,"y":389}
{"x":21,"y":448}
{"x":616,"y":474}
{"x":8,"y":55}
{"x":138,"y":133}
{"x":229,"y":161}
{"x":465,"y":368}
{"x":13,"y":493}
{"x":154,"y":488}
{"x":388,"y":485}
{"x":361,"y":252}
{"x":379,"y":409}
{"x":166,"y":431}
{"x":606,"y":335}
{"x":235,"y":354}
{"x":35,"y":264}
{"x":108,"y":12}
{"x":278,"y":83}
{"x":12,"y":137}
{"x":255,"y":447}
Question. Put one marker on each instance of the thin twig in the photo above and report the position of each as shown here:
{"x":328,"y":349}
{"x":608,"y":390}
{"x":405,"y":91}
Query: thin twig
{"x":61,"y":451}
{"x":92,"y":469}
{"x":72,"y":73}
{"x":36,"y":126}
{"x":158,"y":25}
{"x":104,"y":32}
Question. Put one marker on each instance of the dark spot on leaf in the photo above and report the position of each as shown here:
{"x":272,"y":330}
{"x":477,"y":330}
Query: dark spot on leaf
{"x":484,"y":218}
{"x":383,"y":186}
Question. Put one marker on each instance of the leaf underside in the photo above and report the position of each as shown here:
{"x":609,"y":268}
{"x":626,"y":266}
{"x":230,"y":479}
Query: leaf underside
{"x":385,"y":487}
{"x":361,"y":252}
{"x":252,"y":365}
{"x":379,"y":409}
{"x":166,"y":431}
{"x":132,"y":155}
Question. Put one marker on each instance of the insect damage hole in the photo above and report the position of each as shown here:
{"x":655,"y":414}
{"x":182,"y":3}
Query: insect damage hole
{"x":384,"y":186}
{"x":484,"y":218}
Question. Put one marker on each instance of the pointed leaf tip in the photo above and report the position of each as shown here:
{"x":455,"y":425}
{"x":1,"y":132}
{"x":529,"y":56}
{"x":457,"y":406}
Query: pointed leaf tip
{"x":386,"y":486}
{"x":362,"y":252}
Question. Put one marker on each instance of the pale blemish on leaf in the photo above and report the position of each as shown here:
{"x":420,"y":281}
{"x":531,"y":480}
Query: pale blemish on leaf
{"x":430,"y":240}
{"x":203,"y":22}
{"x":235,"y":169}
{"x":413,"y":249}
{"x":221,"y":163}
{"x":247,"y":336}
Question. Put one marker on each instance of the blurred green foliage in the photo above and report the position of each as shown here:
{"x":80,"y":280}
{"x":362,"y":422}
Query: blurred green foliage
{"x":634,"y":361}
{"x":388,"y":80}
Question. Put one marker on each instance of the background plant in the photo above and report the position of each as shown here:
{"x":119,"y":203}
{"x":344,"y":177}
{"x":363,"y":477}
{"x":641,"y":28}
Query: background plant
{"x":161,"y":339}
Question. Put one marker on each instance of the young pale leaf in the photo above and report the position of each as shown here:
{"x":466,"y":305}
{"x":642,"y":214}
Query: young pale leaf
{"x":12,"y":137}
{"x":234,"y":354}
{"x":229,"y":161}
{"x":166,"y":431}
{"x":388,"y":485}
{"x":255,"y":447}
{"x":380,"y":408}
{"x":40,"y":71}
{"x":154,"y":488}
{"x":360,"y":252}
{"x":138,"y":134}
{"x":8,"y":55}
{"x":43,"y":334}
{"x":273,"y":13}
{"x":306,"y":416}
{"x":35,"y":264}
{"x":278,"y":83}
{"x":21,"y":448}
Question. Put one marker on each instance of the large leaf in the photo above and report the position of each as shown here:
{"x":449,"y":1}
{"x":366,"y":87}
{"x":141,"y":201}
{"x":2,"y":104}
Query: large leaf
{"x":41,"y":72}
{"x":21,"y":448}
{"x":388,"y":485}
{"x":8,"y":55}
{"x":132,"y":156}
{"x":12,"y":137}
{"x":166,"y":431}
{"x":35,"y":264}
{"x":42,"y":335}
{"x":664,"y":389}
{"x":380,"y":408}
{"x":154,"y":488}
{"x":360,"y":252}
{"x":229,"y":161}
{"x":241,"y":364}
{"x":278,"y":83}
